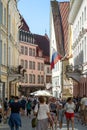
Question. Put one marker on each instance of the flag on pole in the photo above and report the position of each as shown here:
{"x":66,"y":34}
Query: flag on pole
{"x":55,"y":58}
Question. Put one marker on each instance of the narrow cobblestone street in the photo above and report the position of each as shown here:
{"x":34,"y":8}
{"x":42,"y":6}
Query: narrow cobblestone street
{"x":26,"y":125}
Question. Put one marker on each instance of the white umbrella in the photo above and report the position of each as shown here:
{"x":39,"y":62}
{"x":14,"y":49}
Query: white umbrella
{"x":34,"y":92}
{"x":43,"y":93}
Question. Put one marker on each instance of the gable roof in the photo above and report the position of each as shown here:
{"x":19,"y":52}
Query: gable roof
{"x":43,"y":43}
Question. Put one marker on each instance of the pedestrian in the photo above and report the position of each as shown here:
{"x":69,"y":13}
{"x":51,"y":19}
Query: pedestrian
{"x":53,"y":110}
{"x":5,"y":106}
{"x":29,"y":107}
{"x":83,"y":110}
{"x":43,"y":114}
{"x":60,"y":114}
{"x":69,"y":108}
{"x":15,"y":119}
{"x":23,"y":105}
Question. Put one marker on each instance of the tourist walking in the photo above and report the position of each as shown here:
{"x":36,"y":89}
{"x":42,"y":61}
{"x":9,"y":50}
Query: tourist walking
{"x":69,"y":112}
{"x":60,"y":113}
{"x":28,"y":107}
{"x":15,"y":119}
{"x":43,"y":114}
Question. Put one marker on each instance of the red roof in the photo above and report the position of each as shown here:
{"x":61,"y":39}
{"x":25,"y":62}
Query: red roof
{"x":43,"y":43}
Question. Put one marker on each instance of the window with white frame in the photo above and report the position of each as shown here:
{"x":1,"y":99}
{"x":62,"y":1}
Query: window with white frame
{"x":5,"y":54}
{"x":30,"y":78}
{"x":38,"y":79}
{"x":26,"y":78}
{"x":5,"y":16}
{"x":33,"y":79}
{"x":33,"y":65}
{"x":82,"y":18}
{"x":42,"y":79}
{"x":26,"y":64}
{"x":42,"y":66}
{"x":85,"y":13}
{"x":26,"y":51}
{"x":48,"y":70}
{"x":22,"y":49}
{"x":38,"y":66}
{"x":33,"y":52}
{"x":80,"y":22}
{"x":30,"y":64}
{"x":22,"y":63}
{"x":30,"y":51}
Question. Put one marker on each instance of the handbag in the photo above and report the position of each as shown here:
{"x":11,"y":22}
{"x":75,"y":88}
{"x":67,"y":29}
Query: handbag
{"x":34,"y":120}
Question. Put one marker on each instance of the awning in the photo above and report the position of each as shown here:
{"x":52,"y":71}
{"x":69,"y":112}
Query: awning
{"x":74,"y":75}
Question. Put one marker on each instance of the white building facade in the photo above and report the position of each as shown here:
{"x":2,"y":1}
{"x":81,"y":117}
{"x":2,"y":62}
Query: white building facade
{"x":78,"y":20}
{"x":56,"y":71}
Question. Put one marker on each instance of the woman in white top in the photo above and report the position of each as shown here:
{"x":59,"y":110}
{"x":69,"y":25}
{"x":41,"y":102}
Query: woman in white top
{"x":43,"y":114}
{"x":69,"y":108}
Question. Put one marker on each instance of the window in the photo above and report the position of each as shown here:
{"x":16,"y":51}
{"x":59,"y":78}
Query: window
{"x":42,"y":66}
{"x":22,"y":49}
{"x":30,"y":64}
{"x":42,"y":79}
{"x":48,"y":70}
{"x":85,"y":13}
{"x":80,"y":22}
{"x":5,"y":54}
{"x":22,"y":63}
{"x":34,"y":65}
{"x":30,"y":78}
{"x":38,"y":66}
{"x":82,"y":18}
{"x":38,"y":79}
{"x":30,"y":51}
{"x":33,"y":52}
{"x":40,"y":53}
{"x":26,"y":51}
{"x":9,"y":23}
{"x":78,"y":26}
{"x":26,"y":64}
{"x":23,"y":36}
{"x":5,"y":16}
{"x":33,"y":78}
{"x":1,"y":12}
{"x":26,"y":78}
{"x":9,"y":55}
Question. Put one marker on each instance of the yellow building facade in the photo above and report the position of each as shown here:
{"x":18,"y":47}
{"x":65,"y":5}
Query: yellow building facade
{"x":9,"y":47}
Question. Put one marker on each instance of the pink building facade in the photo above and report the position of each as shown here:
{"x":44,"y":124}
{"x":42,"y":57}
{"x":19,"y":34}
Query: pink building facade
{"x":31,"y":59}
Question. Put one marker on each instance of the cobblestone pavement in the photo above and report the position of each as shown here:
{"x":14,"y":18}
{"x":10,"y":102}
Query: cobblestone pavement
{"x":26,"y":125}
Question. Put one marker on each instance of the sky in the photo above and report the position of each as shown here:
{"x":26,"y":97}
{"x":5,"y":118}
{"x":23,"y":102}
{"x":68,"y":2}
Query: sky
{"x":36,"y":14}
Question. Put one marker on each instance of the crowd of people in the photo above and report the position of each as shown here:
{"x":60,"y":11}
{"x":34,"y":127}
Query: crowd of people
{"x":50,"y":111}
